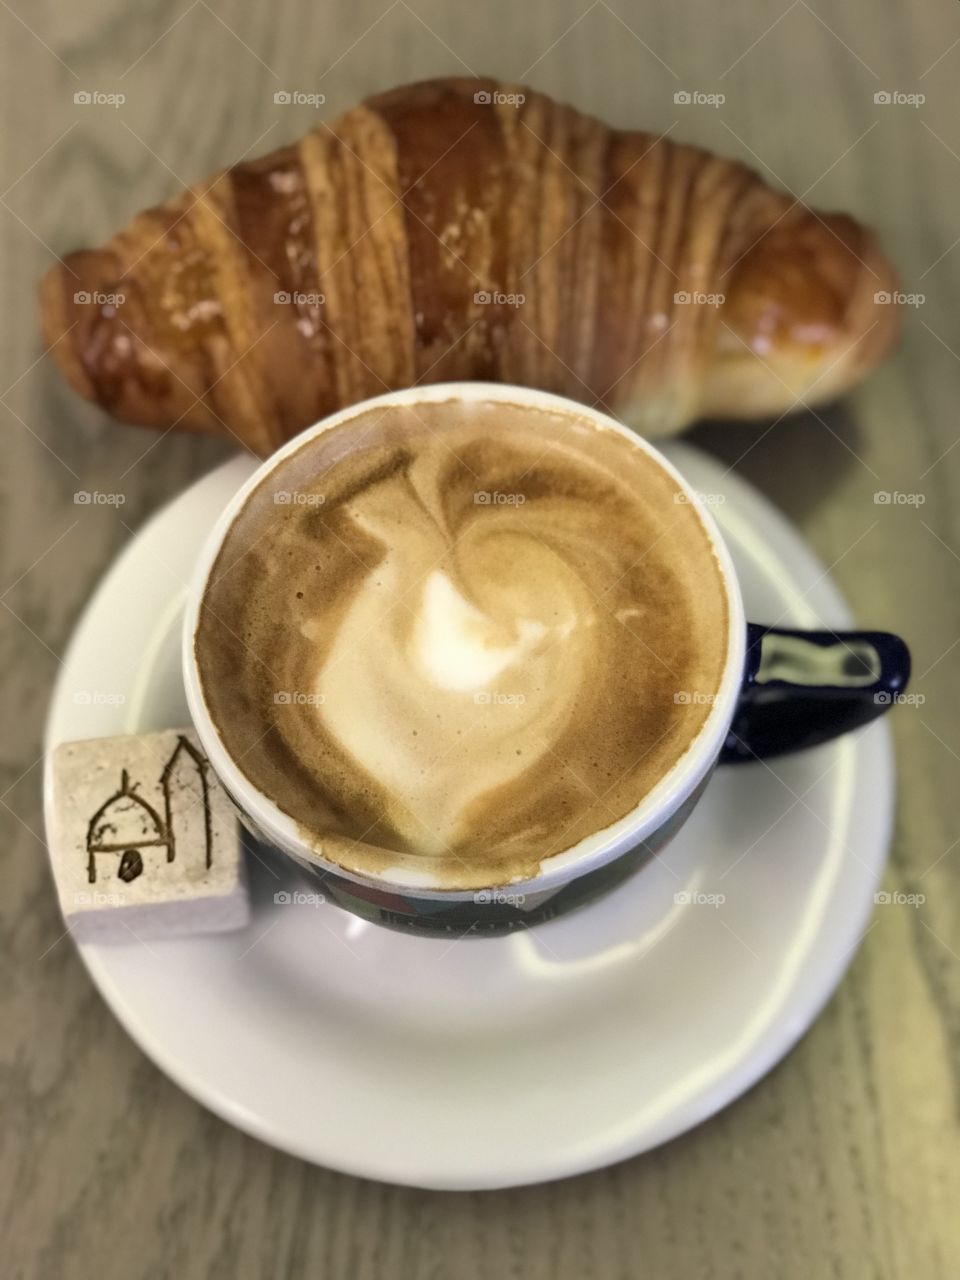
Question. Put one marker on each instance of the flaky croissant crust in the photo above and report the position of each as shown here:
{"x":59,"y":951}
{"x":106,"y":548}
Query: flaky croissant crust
{"x":464,"y":229}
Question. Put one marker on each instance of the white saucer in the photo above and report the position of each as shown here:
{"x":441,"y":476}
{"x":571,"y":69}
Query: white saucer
{"x":499,"y":1061}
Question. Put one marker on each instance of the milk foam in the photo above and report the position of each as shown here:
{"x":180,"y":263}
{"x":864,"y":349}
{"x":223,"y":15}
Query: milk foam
{"x":456,"y":646}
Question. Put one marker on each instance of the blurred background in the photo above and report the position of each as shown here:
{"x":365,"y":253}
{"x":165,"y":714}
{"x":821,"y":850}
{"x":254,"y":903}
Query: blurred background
{"x":843,"y":1161}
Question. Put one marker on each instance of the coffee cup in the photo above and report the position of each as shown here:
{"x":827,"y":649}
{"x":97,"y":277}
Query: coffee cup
{"x":560,"y":589}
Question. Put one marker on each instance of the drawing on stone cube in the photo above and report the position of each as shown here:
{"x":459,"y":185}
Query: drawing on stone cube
{"x":128,"y":836}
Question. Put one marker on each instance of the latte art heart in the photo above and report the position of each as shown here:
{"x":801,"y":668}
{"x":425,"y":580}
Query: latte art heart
{"x":459,"y":636}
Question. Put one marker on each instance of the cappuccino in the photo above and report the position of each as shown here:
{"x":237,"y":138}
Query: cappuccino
{"x":460,"y":637}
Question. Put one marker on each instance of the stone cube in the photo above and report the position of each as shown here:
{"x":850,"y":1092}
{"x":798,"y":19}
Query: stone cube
{"x":144,"y":842}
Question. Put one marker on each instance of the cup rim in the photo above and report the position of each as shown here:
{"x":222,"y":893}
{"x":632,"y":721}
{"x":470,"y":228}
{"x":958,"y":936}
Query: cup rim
{"x":594,"y":851}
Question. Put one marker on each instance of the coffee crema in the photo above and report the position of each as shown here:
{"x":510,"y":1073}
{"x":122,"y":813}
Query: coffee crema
{"x":459,"y":637}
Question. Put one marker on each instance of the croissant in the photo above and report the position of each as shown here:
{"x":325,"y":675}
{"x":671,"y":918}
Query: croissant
{"x":464,"y":229}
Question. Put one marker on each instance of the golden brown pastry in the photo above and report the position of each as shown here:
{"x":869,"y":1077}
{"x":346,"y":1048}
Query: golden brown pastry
{"x":440,"y":231}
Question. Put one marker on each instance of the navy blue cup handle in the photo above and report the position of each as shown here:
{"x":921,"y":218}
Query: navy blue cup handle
{"x":801,"y":688}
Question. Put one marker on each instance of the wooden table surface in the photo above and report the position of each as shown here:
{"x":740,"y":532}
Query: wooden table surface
{"x":843,"y":1161}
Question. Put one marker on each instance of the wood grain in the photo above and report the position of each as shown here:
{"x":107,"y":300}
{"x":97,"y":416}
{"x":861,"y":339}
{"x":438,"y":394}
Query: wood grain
{"x":843,"y":1162}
